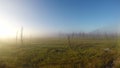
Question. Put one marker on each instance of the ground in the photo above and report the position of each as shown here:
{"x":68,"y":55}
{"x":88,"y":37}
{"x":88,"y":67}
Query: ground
{"x":60,"y":53}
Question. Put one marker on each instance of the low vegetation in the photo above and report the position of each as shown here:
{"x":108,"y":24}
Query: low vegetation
{"x":62,"y":52}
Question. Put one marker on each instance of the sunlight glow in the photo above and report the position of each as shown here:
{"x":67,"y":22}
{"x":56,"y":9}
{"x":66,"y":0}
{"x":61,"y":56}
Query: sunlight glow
{"x":7,"y":30}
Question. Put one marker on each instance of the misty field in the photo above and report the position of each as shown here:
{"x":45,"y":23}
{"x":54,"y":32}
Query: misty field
{"x":67,"y":52}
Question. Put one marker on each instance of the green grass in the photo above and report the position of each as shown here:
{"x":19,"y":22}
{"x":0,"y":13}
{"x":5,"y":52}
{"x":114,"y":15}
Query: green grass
{"x":55,"y":53}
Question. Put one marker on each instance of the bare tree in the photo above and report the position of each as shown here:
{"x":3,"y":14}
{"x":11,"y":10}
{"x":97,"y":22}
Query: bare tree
{"x":69,"y":41}
{"x":16,"y":37}
{"x":21,"y":35}
{"x":30,"y":40}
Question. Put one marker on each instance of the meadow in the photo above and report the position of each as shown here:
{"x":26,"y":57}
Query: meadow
{"x":62,"y":52}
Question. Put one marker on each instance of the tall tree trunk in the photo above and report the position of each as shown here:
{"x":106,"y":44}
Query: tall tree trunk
{"x":16,"y":37}
{"x":21,"y":35}
{"x":69,"y":42}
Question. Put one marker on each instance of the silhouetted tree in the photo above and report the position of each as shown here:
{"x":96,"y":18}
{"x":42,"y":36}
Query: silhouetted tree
{"x":16,"y":37}
{"x":21,"y":35}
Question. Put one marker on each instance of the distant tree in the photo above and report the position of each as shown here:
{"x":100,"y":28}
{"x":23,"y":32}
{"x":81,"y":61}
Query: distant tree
{"x":21,"y":35}
{"x":16,"y":37}
{"x":69,"y":41}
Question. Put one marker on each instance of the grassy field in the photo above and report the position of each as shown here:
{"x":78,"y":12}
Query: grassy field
{"x":61,"y":53}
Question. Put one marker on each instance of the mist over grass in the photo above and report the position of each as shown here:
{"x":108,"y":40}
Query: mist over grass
{"x":71,"y":50}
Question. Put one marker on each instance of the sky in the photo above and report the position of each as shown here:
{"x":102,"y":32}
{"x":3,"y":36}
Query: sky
{"x":54,"y":16}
